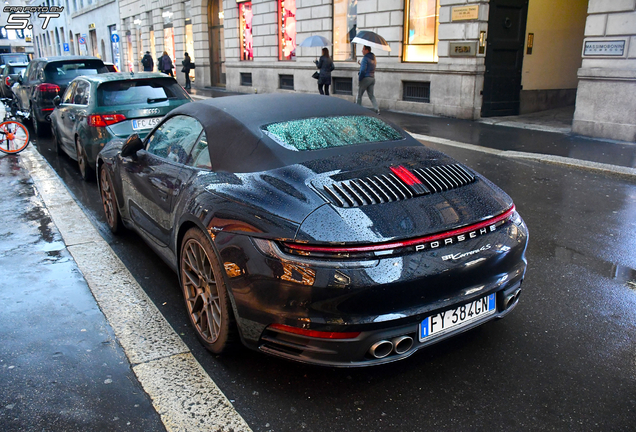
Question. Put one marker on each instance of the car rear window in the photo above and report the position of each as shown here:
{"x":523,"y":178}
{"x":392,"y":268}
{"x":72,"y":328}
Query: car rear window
{"x":19,"y":58}
{"x":141,"y":91}
{"x":65,"y":72}
{"x":327,"y":132}
{"x":16,"y":69}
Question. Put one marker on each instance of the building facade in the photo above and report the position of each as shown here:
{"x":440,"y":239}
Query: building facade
{"x":458,"y":58}
{"x":606,"y":96}
{"x":85,"y":27}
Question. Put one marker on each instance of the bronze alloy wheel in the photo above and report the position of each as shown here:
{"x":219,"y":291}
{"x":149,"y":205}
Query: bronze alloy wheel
{"x":204,"y":292}
{"x":108,"y":200}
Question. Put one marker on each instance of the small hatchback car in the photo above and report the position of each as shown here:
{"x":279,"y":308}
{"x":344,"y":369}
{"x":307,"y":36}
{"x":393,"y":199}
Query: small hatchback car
{"x":314,"y":230}
{"x":95,"y":109}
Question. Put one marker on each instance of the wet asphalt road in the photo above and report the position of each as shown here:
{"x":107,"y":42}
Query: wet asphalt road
{"x":565,"y":359}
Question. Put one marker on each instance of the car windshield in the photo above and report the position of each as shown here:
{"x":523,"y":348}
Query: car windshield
{"x":141,"y":91}
{"x":327,"y":132}
{"x":64,"y":72}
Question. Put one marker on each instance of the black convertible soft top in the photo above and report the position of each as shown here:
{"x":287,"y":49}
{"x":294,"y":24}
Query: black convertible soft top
{"x":237,"y":143}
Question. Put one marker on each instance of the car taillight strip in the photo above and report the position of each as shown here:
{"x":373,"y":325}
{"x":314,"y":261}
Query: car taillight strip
{"x":400,"y":244}
{"x":314,"y":333}
{"x":400,"y":184}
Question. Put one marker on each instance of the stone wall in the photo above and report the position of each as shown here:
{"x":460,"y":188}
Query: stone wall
{"x":606,"y":96}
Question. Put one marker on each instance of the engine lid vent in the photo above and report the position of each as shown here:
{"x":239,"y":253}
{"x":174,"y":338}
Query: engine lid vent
{"x":398,"y":184}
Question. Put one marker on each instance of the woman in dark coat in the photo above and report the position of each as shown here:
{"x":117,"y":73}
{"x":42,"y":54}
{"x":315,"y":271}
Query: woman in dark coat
{"x":166,"y":64}
{"x":187,"y":65}
{"x":325,"y":64}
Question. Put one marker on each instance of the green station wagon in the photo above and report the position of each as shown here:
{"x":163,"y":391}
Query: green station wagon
{"x":97,"y":108}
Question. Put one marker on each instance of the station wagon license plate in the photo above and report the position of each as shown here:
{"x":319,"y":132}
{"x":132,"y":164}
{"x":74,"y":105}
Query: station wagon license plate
{"x":452,"y":319}
{"x":145,"y":123}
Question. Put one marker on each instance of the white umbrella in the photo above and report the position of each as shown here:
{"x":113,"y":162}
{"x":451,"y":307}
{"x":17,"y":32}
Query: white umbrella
{"x":371,"y":39}
{"x":315,"y":41}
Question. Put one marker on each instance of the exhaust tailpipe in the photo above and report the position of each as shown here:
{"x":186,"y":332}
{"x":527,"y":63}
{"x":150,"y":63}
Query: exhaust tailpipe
{"x":381,"y":349}
{"x":512,"y":299}
{"x":402,"y":344}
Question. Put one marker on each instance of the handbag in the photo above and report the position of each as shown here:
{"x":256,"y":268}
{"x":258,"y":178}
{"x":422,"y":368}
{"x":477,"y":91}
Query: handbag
{"x":316,"y":75}
{"x":192,"y":65}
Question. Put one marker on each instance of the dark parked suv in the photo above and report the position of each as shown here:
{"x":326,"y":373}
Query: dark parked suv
{"x":44,"y":79}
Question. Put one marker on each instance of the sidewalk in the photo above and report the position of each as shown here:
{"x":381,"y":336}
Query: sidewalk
{"x":61,"y":367}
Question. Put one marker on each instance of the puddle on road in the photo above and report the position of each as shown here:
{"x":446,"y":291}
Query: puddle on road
{"x":622,"y":274}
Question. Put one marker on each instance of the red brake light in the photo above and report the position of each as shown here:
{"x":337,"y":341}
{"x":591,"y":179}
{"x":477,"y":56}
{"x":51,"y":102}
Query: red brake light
{"x":48,"y":88}
{"x":103,"y":120}
{"x":314,"y":333}
{"x":6,"y":81}
{"x":399,"y":244}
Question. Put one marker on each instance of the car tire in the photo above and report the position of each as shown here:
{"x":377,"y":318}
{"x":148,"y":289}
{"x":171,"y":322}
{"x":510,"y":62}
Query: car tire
{"x":58,"y":144}
{"x":41,"y":129}
{"x":205,"y":293}
{"x":82,"y":161}
{"x":109,"y":201}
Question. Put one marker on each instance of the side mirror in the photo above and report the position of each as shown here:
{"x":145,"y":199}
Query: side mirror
{"x":132,"y":145}
{"x":20,"y":79}
{"x":57,"y":100}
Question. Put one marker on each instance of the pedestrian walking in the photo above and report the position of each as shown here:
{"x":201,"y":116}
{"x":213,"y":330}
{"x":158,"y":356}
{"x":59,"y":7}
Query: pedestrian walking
{"x":187,"y":65}
{"x":366,"y":78}
{"x":166,"y":64}
{"x":147,"y":62}
{"x":325,"y":64}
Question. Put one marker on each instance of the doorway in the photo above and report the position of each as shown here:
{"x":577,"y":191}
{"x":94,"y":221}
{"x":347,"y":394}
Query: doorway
{"x":93,"y":36}
{"x":217,"y":38}
{"x":504,"y":57}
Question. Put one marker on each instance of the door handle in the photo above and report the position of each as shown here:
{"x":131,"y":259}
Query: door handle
{"x":161,"y":186}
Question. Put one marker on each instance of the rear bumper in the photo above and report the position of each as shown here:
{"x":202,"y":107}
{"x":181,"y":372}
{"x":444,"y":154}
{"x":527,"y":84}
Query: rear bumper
{"x":401,"y":341}
{"x":383,"y":299}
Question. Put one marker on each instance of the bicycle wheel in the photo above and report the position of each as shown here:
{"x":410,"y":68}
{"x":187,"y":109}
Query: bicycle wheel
{"x":14,"y":137}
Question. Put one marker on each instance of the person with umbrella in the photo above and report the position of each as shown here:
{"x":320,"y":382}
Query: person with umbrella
{"x":366,"y":78}
{"x":366,"y":75}
{"x":325,"y":64}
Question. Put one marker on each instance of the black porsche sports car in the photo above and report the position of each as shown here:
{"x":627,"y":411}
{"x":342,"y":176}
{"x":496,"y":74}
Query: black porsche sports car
{"x":313,"y":230}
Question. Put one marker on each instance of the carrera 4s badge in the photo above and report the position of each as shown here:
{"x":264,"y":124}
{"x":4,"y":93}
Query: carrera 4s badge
{"x":457,"y":256}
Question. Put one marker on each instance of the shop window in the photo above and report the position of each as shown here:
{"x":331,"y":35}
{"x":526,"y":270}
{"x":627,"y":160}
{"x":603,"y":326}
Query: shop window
{"x":416,"y":91}
{"x":286,"y":29}
{"x":345,"y":27}
{"x":246,"y":79}
{"x":245,"y":31}
{"x":420,"y":30}
{"x":286,"y":82}
{"x":342,"y":86}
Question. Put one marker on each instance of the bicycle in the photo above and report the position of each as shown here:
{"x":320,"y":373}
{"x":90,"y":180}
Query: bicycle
{"x":14,"y":136}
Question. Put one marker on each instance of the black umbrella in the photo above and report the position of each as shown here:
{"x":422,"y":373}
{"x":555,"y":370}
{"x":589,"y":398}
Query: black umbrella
{"x":371,"y":39}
